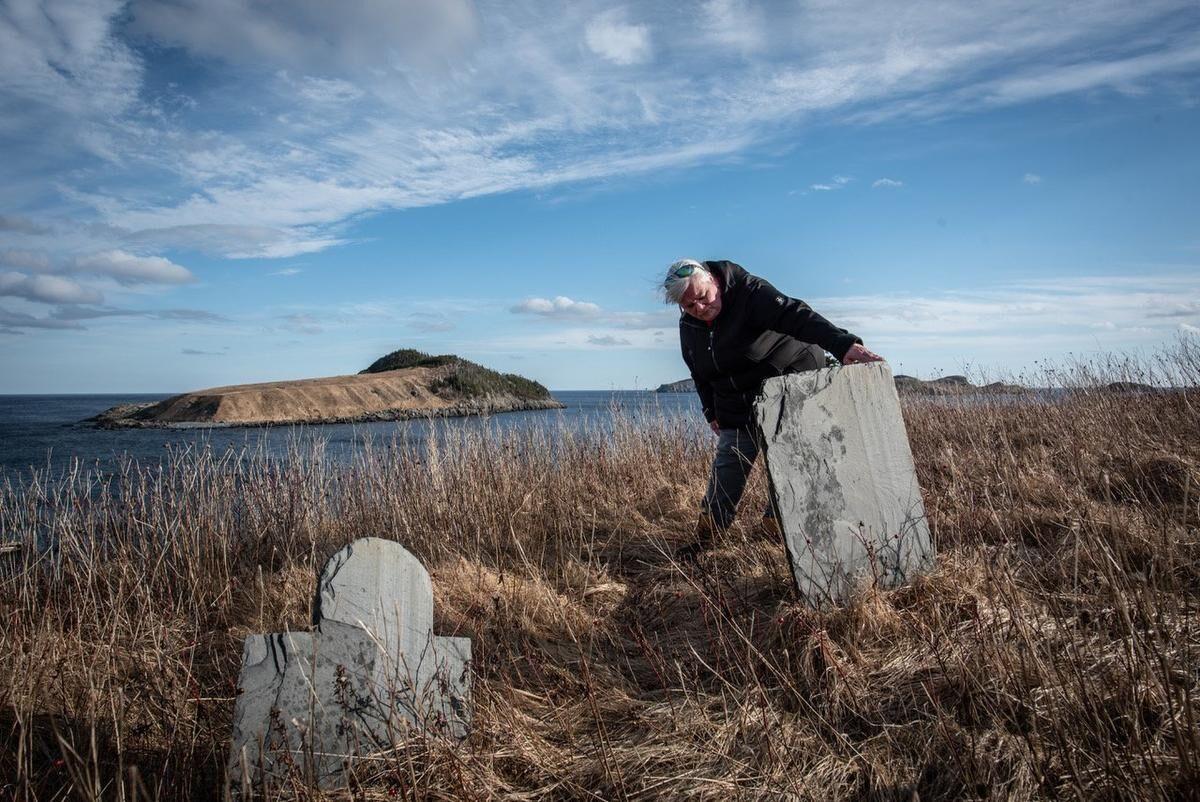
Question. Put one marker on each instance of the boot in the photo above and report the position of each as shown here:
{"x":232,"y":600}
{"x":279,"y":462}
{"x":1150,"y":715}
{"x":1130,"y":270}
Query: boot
{"x":769,"y":528}
{"x":705,"y":535}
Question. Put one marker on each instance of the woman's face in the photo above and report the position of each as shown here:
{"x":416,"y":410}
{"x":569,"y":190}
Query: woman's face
{"x":702,"y":299}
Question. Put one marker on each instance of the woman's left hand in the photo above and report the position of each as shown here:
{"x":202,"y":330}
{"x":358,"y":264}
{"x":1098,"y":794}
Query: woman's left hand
{"x":859,"y":354}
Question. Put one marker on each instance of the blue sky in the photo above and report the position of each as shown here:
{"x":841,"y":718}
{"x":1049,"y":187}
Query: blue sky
{"x":204,"y":192}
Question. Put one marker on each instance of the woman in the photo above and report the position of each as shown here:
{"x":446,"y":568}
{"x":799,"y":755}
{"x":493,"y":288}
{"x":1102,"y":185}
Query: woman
{"x":736,"y":331}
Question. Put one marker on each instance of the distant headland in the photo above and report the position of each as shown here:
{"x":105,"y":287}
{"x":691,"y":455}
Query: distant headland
{"x":401,"y":385}
{"x":947,"y":385}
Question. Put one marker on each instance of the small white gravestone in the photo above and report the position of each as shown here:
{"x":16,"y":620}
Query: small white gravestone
{"x":313,"y":704}
{"x":843,"y":480}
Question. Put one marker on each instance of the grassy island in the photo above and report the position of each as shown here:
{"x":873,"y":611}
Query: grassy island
{"x":401,"y":385}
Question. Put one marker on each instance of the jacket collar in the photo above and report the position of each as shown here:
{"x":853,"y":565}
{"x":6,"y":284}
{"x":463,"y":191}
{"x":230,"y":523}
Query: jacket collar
{"x":730,"y":275}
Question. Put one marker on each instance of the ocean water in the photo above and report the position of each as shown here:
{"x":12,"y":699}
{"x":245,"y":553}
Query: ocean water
{"x":44,"y":433}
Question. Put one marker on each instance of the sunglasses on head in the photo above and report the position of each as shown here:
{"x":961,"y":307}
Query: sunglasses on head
{"x":684,"y":271}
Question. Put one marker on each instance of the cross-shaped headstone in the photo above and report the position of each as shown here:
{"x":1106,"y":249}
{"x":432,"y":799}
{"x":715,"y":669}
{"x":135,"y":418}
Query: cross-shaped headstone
{"x":313,"y":705}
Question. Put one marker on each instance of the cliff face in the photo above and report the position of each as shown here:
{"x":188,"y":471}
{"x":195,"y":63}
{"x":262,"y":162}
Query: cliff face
{"x":453,"y":387}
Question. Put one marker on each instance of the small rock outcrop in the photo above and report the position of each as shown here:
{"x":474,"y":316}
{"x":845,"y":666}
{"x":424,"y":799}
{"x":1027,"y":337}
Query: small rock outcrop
{"x":311,"y":704}
{"x":681,"y":386}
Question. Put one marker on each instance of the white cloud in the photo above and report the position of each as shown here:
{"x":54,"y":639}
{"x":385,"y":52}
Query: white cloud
{"x":47,"y":289}
{"x":128,"y":268}
{"x":886,"y":183}
{"x":561,"y":308}
{"x":1031,"y":178}
{"x":287,"y":271}
{"x":609,"y":35}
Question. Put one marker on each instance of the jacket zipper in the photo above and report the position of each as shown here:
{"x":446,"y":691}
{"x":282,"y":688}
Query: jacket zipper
{"x":712,"y":349}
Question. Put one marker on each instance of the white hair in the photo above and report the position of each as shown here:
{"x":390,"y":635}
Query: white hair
{"x":674,"y":286}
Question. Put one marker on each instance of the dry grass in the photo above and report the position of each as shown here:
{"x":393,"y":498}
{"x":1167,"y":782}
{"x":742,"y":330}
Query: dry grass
{"x":1051,"y":654}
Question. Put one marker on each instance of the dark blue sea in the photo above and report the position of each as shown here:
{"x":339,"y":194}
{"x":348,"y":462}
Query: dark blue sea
{"x":46,"y":433}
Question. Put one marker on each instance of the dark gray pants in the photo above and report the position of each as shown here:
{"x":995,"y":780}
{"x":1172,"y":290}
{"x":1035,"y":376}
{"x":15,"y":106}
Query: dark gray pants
{"x":736,"y":451}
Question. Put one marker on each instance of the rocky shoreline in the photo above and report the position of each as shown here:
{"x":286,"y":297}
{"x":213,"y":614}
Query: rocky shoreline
{"x":124,"y":416}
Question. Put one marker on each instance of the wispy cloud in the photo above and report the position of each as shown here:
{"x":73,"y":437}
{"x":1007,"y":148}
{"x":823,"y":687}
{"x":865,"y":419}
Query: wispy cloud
{"x":431,"y":321}
{"x":1176,"y":309}
{"x":302,"y":323}
{"x":886,"y":183}
{"x":18,"y":322}
{"x":1047,"y":309}
{"x":27,"y":261}
{"x":78,"y":313}
{"x":1031,"y":178}
{"x":73,"y":315}
{"x":304,"y":118}
{"x":608,"y":340}
{"x":836,"y":183}
{"x":735,"y":24}
{"x":314,"y":38}
{"x":21,"y":225}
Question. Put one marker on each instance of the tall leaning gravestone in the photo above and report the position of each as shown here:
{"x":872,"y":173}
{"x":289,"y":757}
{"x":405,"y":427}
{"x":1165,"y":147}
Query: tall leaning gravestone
{"x":843,"y":480}
{"x":313,"y":705}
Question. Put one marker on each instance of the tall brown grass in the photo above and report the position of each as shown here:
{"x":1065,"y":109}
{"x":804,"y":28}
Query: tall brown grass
{"x":1054,"y":652}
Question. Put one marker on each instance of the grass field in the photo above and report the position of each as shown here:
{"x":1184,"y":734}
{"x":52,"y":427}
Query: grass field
{"x":1054,"y":652}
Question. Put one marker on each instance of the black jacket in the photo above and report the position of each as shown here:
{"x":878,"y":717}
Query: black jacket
{"x":759,"y":333}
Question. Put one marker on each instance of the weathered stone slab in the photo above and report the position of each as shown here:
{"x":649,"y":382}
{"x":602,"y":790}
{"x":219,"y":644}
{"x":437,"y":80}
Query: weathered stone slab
{"x":843,"y":480}
{"x":314,"y":705}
